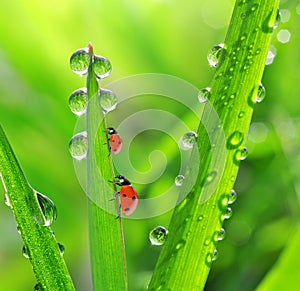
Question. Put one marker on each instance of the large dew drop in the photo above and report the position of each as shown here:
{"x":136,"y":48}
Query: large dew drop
{"x":204,"y":95}
{"x":25,"y":252}
{"x":78,"y":146}
{"x":232,"y":196}
{"x":108,"y":100}
{"x":158,"y":235}
{"x":179,"y":180}
{"x":79,"y":61}
{"x":261,"y":93}
{"x":48,"y":209}
{"x":101,"y":67}
{"x":241,"y":154}
{"x":188,"y":140}
{"x":78,"y":101}
{"x":235,"y":140}
{"x":214,"y":55}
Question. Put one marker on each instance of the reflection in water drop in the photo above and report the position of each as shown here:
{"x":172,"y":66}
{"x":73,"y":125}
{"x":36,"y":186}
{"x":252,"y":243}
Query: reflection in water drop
{"x":235,"y":140}
{"x":179,"y":180}
{"x":61,"y":248}
{"x":78,"y":101}
{"x":158,"y":235}
{"x":25,"y":252}
{"x":188,"y":140}
{"x":232,"y":196}
{"x":38,"y":287}
{"x":78,"y":146}
{"x":204,"y":95}
{"x":214,"y":55}
{"x":79,"y":61}
{"x":261,"y":93}
{"x":241,"y":155}
{"x":101,"y":67}
{"x":108,"y":100}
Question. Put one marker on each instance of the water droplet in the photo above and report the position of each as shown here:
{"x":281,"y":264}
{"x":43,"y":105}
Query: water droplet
{"x":211,"y":256}
{"x":158,"y":235}
{"x":207,"y":241}
{"x":200,"y":218}
{"x":101,"y":67}
{"x":235,"y":140}
{"x":108,"y":100}
{"x":61,"y":248}
{"x":232,"y":196}
{"x":214,"y":55}
{"x":188,"y":140}
{"x":204,"y":95}
{"x":241,"y":155}
{"x":179,"y":245}
{"x":260,"y":93}
{"x":228,"y":213}
{"x":78,"y":101}
{"x":78,"y":146}
{"x":18,"y":229}
{"x":277,"y":20}
{"x":6,"y":200}
{"x":223,"y":202}
{"x":241,"y":114}
{"x":38,"y":287}
{"x":210,"y":177}
{"x":48,"y":209}
{"x":271,"y":55}
{"x":179,"y":180}
{"x":79,"y":61}
{"x":254,"y":7}
{"x":219,"y":235}
{"x":25,"y":252}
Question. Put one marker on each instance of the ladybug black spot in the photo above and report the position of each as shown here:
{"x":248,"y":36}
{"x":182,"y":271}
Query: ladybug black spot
{"x":119,"y":142}
{"x":124,"y":195}
{"x":127,"y":209}
{"x":115,"y":150}
{"x":113,"y":140}
{"x":134,"y":198}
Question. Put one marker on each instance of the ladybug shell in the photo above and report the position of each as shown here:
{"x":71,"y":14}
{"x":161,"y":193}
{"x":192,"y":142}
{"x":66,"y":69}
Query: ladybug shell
{"x":129,"y":199}
{"x":115,"y":143}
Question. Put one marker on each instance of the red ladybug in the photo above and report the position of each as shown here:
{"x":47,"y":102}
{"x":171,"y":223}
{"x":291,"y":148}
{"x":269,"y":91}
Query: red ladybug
{"x":115,"y":140}
{"x":128,"y":195}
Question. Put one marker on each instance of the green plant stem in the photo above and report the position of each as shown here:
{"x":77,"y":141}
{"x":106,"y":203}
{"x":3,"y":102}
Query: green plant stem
{"x":106,"y":235}
{"x":48,"y":265}
{"x":186,"y":258}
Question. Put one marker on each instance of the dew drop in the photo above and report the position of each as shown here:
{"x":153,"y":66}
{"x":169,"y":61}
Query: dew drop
{"x":38,"y":287}
{"x":101,"y":67}
{"x":204,"y":95}
{"x":18,"y":229}
{"x":158,"y":235}
{"x":261,"y":92}
{"x":228,"y":213}
{"x":277,"y":20}
{"x":79,"y":61}
{"x":108,"y":100}
{"x":235,"y":140}
{"x":48,"y":209}
{"x":179,"y":245}
{"x":61,"y":248}
{"x":207,"y":241}
{"x":200,"y":218}
{"x":210,"y":177}
{"x":219,"y":235}
{"x":241,"y":114}
{"x":223,"y":202}
{"x":232,"y":196}
{"x":78,"y":146}
{"x":241,"y":155}
{"x":211,"y":256}
{"x":271,"y":55}
{"x":78,"y":101}
{"x":6,"y":200}
{"x":25,"y":252}
{"x":188,"y":140}
{"x":214,"y":55}
{"x":179,"y":180}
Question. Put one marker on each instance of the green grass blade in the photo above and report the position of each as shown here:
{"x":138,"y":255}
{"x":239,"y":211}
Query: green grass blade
{"x":186,"y":258}
{"x":48,"y":265}
{"x":106,"y":235}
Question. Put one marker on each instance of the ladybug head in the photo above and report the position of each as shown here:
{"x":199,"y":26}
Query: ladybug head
{"x":123,"y":181}
{"x":111,"y":130}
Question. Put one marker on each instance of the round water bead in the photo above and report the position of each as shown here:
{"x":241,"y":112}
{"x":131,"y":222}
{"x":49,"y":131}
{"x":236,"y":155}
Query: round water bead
{"x":79,"y":61}
{"x":188,"y":140}
{"x":214,"y":55}
{"x":108,"y":100}
{"x":158,"y":235}
{"x":242,"y":154}
{"x":232,"y":196}
{"x":6,"y":200}
{"x":25,"y":252}
{"x":261,"y":93}
{"x":204,"y":95}
{"x":101,"y":67}
{"x":235,"y":139}
{"x":48,"y":209}
{"x":78,"y":146}
{"x":78,"y":101}
{"x":179,"y":180}
{"x":61,"y":248}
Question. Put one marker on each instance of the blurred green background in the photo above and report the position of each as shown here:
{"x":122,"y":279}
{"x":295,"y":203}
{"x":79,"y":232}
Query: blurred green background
{"x":151,"y":36}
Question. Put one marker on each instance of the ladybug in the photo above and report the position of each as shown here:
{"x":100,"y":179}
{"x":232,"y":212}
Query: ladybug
{"x":128,"y":195}
{"x":115,"y":141}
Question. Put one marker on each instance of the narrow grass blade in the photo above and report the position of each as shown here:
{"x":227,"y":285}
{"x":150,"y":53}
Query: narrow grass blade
{"x":195,"y":227}
{"x":41,"y":246}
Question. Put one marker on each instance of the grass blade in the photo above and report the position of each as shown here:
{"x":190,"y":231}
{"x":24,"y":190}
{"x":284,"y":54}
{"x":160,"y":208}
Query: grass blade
{"x":47,"y":262}
{"x":186,"y":258}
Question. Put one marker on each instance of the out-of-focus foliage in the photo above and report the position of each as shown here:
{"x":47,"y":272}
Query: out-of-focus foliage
{"x":157,"y":36}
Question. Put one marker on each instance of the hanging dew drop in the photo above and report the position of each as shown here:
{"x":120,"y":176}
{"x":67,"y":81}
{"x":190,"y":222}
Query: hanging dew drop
{"x":219,"y":235}
{"x":78,"y":146}
{"x":204,"y":95}
{"x":6,"y":200}
{"x":261,"y":92}
{"x":108,"y":100}
{"x":211,"y":257}
{"x":158,"y":236}
{"x":38,"y":287}
{"x":214,"y":55}
{"x":101,"y":67}
{"x":25,"y":252}
{"x":48,"y":209}
{"x":277,"y":20}
{"x":61,"y":248}
{"x":179,"y":180}
{"x":235,"y":140}
{"x":78,"y":101}
{"x":228,"y":213}
{"x":232,"y":196}
{"x":188,"y":140}
{"x":79,"y":61}
{"x":179,"y":245}
{"x":241,"y":155}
